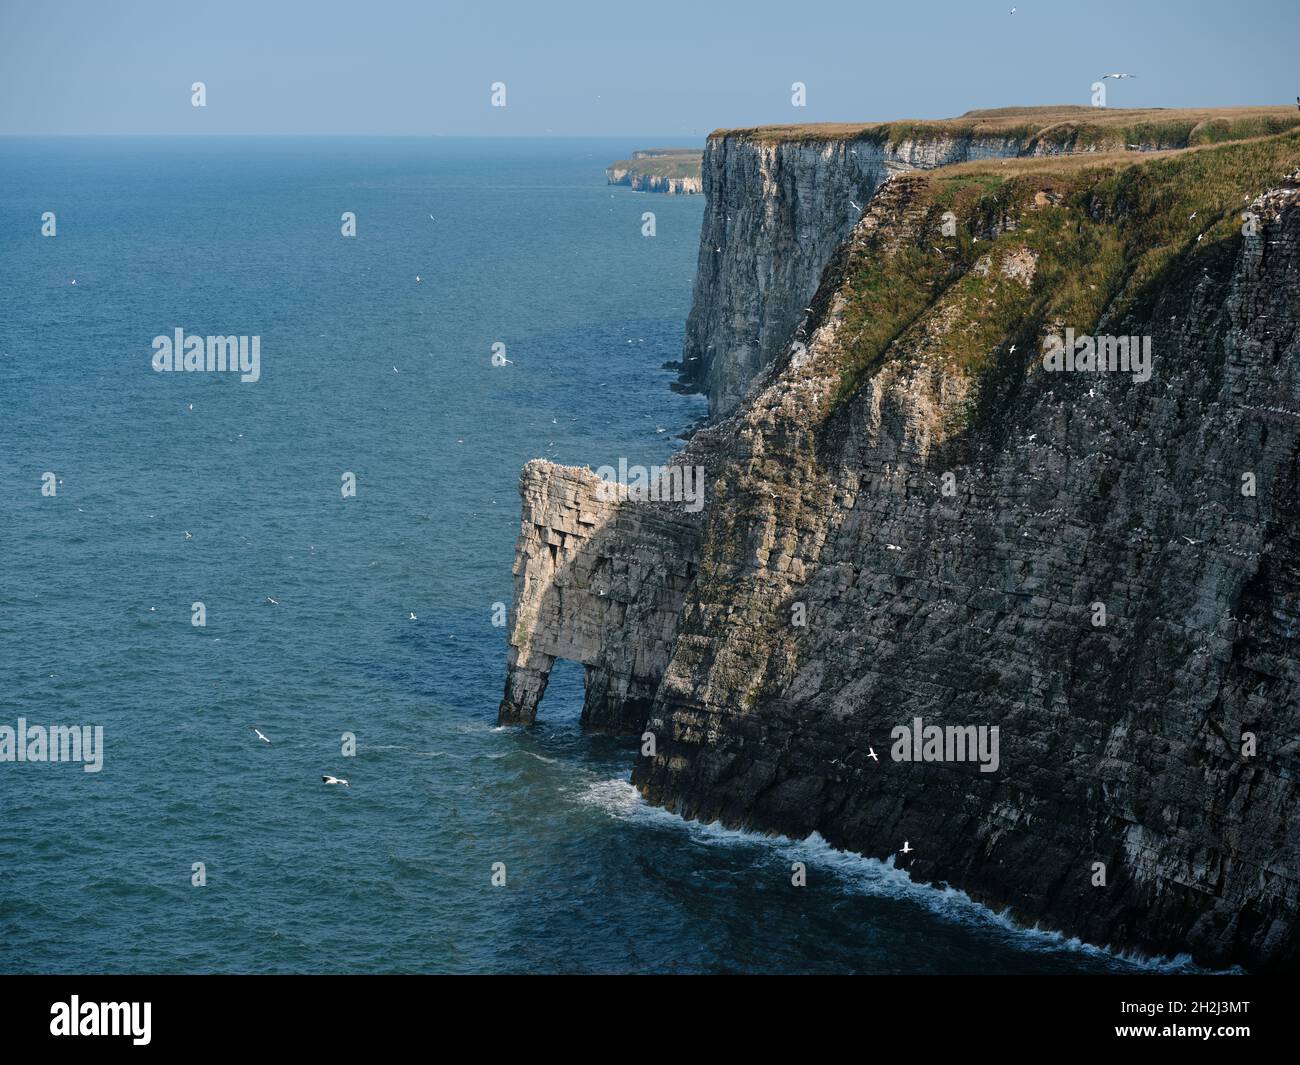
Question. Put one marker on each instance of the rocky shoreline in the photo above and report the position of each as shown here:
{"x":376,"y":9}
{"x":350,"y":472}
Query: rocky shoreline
{"x":910,"y":518}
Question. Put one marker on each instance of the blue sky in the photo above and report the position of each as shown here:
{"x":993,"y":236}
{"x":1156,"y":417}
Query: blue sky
{"x":389,"y":67}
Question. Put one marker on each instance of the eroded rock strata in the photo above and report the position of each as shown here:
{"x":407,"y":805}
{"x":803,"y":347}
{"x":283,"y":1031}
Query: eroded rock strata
{"x":780,"y":200}
{"x":674,"y":171}
{"x":945,"y":517}
{"x":598,"y":581}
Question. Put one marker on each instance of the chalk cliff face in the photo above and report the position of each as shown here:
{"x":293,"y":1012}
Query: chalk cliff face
{"x":909,"y":517}
{"x":689,"y":185}
{"x":780,"y":203}
{"x":775,"y":214}
{"x":597,"y":581}
{"x":675,"y":171}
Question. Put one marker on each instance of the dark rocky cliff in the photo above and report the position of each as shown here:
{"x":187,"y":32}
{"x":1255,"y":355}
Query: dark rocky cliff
{"x":945,"y":517}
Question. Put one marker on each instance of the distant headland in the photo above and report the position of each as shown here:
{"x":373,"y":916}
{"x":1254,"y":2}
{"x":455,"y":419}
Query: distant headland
{"x":675,"y":171}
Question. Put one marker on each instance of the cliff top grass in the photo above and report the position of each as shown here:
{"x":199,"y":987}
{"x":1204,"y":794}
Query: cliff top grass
{"x":647,"y":153}
{"x":664,"y":166}
{"x":1058,"y":126}
{"x":1107,"y":234}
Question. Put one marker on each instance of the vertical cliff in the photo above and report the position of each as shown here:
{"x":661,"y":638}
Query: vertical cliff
{"x":599,"y":581}
{"x":1161,"y":746}
{"x":910,"y":517}
{"x":780,"y":200}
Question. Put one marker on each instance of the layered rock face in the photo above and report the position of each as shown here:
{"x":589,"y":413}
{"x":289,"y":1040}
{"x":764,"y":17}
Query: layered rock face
{"x":643,"y":182}
{"x":1121,"y":744}
{"x":674,"y":171}
{"x":775,"y":214}
{"x":779,"y":206}
{"x":598,"y":581}
{"x":909,"y":517}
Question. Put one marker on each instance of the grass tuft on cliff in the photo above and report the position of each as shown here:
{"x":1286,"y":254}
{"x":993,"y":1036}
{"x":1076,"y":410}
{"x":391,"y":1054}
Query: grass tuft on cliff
{"x":1054,"y":129}
{"x":1105,"y":234}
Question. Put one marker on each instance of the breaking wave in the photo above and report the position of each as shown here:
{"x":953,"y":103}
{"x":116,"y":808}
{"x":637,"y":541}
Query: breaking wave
{"x":870,"y":876}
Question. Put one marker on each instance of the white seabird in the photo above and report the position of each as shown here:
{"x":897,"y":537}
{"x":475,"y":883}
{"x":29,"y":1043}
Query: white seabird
{"x":412,"y":617}
{"x":907,"y":849}
{"x":336,"y":780}
{"x":1118,"y":77}
{"x":871,"y":753}
{"x":275,"y":602}
{"x":260,"y":735}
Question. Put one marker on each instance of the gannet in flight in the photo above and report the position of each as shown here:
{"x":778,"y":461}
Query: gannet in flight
{"x":189,"y":536}
{"x":260,"y":736}
{"x":412,"y":617}
{"x":336,"y":780}
{"x":274,"y":601}
{"x":906,"y":848}
{"x":871,"y":753}
{"x":1118,"y":77}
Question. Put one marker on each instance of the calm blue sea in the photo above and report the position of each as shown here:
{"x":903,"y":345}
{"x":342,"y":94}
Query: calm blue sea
{"x":366,"y":370}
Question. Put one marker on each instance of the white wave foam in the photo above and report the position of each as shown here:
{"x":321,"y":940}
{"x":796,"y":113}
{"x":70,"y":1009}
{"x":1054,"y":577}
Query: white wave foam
{"x":616,"y":797}
{"x":869,"y":876}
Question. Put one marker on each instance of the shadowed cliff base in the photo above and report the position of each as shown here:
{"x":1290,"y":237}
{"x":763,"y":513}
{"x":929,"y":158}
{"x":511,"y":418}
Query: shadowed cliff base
{"x":1146,"y":796}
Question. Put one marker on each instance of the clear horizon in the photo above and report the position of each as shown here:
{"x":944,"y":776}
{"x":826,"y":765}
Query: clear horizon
{"x":404,"y":69}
